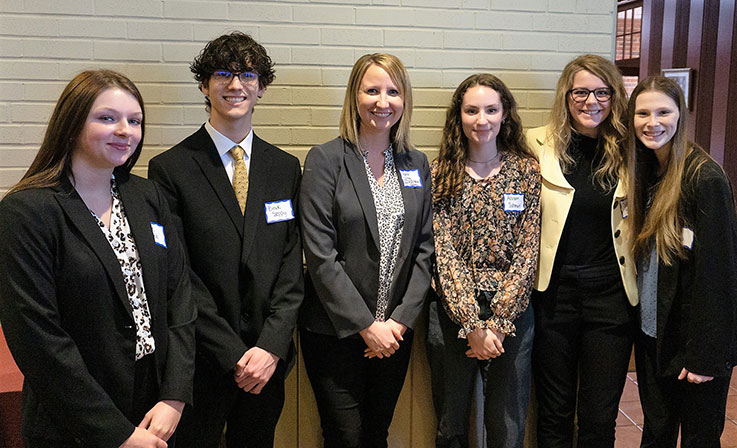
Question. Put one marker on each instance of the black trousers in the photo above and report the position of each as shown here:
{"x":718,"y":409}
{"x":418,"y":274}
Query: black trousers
{"x":218,"y":401}
{"x":356,"y":396}
{"x":584,"y":330}
{"x":668,"y":403}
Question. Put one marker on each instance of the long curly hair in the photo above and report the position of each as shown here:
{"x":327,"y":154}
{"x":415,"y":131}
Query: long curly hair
{"x":611,"y":131}
{"x":451,"y":162}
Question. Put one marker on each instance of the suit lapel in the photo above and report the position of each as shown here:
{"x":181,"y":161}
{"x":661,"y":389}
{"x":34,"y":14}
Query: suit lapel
{"x":410,"y":199}
{"x":357,"y":172}
{"x":206,"y":156}
{"x":139,"y":220}
{"x":258,"y":179}
{"x":80,"y":216}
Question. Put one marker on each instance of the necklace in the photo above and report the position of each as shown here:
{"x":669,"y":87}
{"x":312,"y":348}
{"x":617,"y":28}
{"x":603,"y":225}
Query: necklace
{"x":484,"y":161}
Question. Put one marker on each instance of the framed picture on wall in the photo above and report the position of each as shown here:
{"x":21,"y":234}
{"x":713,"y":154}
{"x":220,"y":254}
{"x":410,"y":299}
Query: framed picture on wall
{"x":682,"y":76}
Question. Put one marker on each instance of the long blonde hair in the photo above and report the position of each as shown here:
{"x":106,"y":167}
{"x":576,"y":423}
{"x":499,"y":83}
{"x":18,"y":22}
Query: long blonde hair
{"x":350,"y":121}
{"x":611,"y":131}
{"x":664,"y":220}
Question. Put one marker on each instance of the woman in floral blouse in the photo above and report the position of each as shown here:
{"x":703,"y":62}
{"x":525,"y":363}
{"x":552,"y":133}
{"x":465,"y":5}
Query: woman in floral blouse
{"x":486,"y":189}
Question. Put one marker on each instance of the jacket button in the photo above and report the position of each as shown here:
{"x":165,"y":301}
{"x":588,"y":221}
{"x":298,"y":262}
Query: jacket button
{"x":246,"y":316}
{"x":616,"y":234}
{"x":621,"y":261}
{"x":728,"y":365}
{"x":616,"y":204}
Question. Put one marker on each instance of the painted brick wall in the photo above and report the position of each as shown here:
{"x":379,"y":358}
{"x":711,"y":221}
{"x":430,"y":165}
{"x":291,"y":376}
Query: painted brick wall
{"x":43,"y":43}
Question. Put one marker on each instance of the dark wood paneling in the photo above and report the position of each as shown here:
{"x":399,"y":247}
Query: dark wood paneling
{"x":652,"y":37}
{"x":724,"y":59}
{"x":702,"y":46}
{"x":730,"y":132}
{"x":681,"y":33}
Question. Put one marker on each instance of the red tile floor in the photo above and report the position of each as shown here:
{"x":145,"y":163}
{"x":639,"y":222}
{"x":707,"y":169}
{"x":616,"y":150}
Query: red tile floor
{"x":629,"y":420}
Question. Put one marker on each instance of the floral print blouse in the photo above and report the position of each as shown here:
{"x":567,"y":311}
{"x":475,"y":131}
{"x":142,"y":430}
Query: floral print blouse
{"x":121,"y":240}
{"x":390,"y":215}
{"x":480,"y":246}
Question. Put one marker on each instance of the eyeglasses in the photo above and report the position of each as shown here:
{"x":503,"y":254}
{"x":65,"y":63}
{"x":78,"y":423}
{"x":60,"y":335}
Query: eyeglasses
{"x":581,"y":95}
{"x":225,"y":77}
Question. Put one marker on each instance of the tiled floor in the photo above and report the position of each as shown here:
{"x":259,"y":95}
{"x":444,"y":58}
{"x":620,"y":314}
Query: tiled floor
{"x":629,"y":421}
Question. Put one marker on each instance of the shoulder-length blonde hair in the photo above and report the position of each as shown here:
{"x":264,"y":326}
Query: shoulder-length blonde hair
{"x":451,"y":161}
{"x":663,"y":220}
{"x":53,"y":160}
{"x":611,"y":131}
{"x":350,"y":121}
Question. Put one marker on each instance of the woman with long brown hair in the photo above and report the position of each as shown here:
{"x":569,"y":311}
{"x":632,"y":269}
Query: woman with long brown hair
{"x":684,"y":227}
{"x":486,"y":223}
{"x":95,"y":297}
{"x":585,"y":286}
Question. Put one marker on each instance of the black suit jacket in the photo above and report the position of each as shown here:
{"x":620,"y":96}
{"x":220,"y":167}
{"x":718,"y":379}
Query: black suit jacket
{"x":697,"y":296}
{"x":67,"y":318}
{"x":248,"y":272}
{"x":341,"y":241}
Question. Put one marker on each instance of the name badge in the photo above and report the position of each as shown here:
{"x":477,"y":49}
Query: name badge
{"x":411,"y":178}
{"x":514,"y":202}
{"x":687,"y":238}
{"x":623,"y":208}
{"x":279,"y":211}
{"x":159,"y":236}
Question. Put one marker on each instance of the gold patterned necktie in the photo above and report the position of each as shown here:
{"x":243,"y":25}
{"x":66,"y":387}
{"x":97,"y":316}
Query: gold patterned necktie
{"x":240,"y":177}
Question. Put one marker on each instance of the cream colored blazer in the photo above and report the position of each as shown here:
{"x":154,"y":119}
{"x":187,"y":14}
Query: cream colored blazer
{"x":556,"y":197}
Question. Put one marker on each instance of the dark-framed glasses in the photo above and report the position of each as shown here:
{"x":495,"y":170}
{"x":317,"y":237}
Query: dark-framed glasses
{"x":581,"y":95}
{"x":226,"y":77}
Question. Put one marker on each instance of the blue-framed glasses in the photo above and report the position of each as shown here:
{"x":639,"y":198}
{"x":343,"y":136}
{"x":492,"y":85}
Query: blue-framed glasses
{"x":226,"y":77}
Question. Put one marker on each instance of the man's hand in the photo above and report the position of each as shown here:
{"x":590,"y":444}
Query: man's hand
{"x":255,"y":369}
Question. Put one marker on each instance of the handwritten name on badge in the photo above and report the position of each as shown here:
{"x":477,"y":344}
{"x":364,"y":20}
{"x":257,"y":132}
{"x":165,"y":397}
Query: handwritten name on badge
{"x":411,"y":178}
{"x":687,"y":238}
{"x":514,"y":202}
{"x":159,"y":236}
{"x":279,"y":211}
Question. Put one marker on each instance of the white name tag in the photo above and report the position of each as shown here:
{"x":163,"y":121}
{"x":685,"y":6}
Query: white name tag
{"x":514,"y":202}
{"x":159,"y":236}
{"x":278,"y":211}
{"x":411,"y":178}
{"x":687,"y":238}
{"x":623,"y":208}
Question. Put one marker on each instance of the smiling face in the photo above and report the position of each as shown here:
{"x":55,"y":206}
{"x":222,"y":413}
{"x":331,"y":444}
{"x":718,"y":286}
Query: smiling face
{"x":588,"y":115}
{"x":231,"y":102}
{"x":481,"y":116}
{"x":111,"y":132}
{"x":656,"y":121}
{"x":380,"y":103}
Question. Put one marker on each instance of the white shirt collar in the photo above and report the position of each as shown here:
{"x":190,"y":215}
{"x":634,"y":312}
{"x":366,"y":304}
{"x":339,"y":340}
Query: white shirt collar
{"x":223,"y":144}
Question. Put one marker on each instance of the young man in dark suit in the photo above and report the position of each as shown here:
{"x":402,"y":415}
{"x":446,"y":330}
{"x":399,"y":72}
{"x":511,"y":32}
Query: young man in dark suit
{"x":235,"y":199}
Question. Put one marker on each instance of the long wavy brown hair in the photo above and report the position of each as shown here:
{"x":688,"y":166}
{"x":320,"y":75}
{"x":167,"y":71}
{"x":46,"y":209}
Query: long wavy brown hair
{"x":451,"y":162}
{"x":53,"y":160}
{"x":611,"y":132}
{"x":663,"y":222}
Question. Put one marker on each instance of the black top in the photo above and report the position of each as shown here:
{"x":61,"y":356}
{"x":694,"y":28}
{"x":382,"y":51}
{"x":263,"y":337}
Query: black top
{"x":586,"y":238}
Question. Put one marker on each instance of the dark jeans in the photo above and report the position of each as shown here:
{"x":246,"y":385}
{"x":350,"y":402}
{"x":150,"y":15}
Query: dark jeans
{"x":355,"y":395}
{"x":506,"y":382}
{"x":584,"y":330}
{"x":668,"y":403}
{"x":250,"y":418}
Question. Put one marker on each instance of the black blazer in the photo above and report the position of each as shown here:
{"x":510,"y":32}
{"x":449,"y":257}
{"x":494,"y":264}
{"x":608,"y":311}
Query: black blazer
{"x":248,"y":272}
{"x":697,"y":297}
{"x":67,"y":318}
{"x":341,"y":242}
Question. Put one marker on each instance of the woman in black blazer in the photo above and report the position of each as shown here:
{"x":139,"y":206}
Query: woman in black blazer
{"x":94,"y":290}
{"x":684,"y":228}
{"x":367,"y":230}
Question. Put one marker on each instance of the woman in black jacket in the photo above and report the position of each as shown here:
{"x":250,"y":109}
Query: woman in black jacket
{"x":684,"y":233}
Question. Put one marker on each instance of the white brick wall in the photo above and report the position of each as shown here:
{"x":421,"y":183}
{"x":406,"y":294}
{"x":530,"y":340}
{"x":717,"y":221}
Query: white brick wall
{"x":43,"y":43}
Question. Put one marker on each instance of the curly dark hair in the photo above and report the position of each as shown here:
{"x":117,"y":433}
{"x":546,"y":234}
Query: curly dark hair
{"x":236,"y":52}
{"x":454,"y":146}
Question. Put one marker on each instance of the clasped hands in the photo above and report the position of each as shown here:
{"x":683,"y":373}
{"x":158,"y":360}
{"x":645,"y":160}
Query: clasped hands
{"x":255,"y":369}
{"x":485,"y":343}
{"x":157,"y":426}
{"x":382,"y":338}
